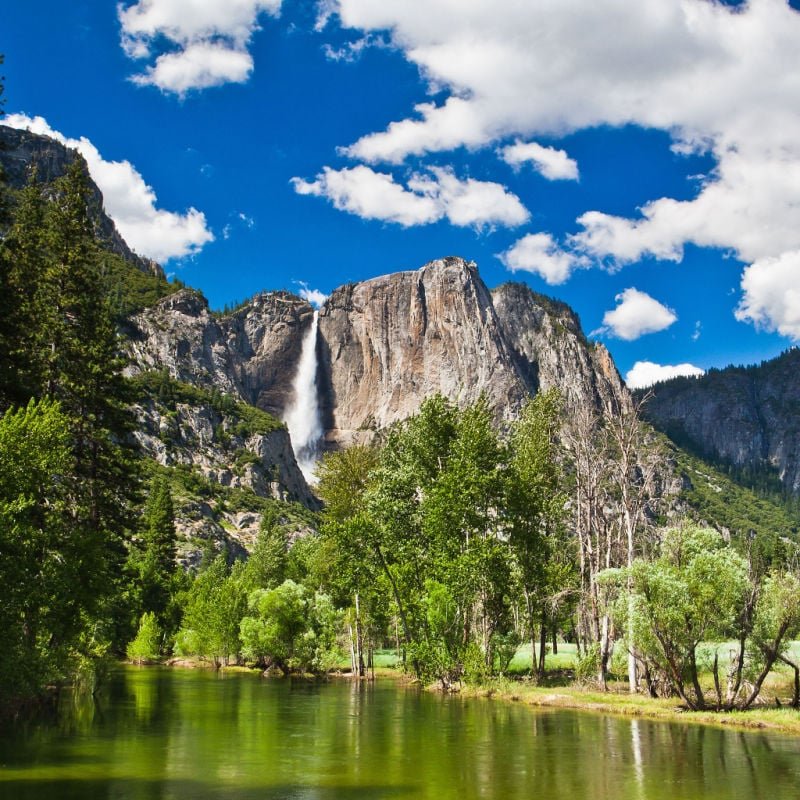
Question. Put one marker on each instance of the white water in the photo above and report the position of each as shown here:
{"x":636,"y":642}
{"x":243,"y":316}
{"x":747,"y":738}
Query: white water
{"x":302,"y":417}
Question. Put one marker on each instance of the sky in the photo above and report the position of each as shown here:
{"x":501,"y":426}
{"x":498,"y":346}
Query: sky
{"x":640,"y":161}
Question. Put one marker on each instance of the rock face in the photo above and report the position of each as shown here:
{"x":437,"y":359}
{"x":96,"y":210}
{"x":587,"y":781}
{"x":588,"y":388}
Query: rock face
{"x":265,"y":337}
{"x":251,"y":353}
{"x":250,"y":356}
{"x":745,"y":416}
{"x":551,"y":350}
{"x":20,"y":150}
{"x":181,"y":335}
{"x":388,"y":343}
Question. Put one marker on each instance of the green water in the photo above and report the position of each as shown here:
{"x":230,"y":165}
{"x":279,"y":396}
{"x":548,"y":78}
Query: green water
{"x":175,"y":734}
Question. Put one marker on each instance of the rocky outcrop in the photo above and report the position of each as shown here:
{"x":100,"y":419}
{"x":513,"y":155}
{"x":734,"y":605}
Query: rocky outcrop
{"x":182,"y":336}
{"x":748,"y":417}
{"x":217,"y":458}
{"x":265,"y":337}
{"x":215,"y":445}
{"x":20,"y":150}
{"x":246,"y":358}
{"x":388,"y":343}
{"x":552,"y":351}
{"x":251,"y":353}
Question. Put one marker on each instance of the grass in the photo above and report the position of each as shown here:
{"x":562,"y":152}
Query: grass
{"x":558,"y":691}
{"x":618,"y":702}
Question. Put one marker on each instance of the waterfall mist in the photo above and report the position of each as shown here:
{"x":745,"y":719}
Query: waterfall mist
{"x":302,"y":418}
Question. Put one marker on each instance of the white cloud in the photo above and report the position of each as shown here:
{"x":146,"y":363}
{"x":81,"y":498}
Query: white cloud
{"x":646,"y":373}
{"x":207,"y":40}
{"x":350,"y":52}
{"x":553,"y":164}
{"x":428,"y":197}
{"x":314,"y":296}
{"x":635,"y":315}
{"x":719,"y":79}
{"x":130,"y":202}
{"x":771,"y":298}
{"x":240,"y":219}
{"x":370,"y":195}
{"x":198,"y":66}
{"x":540,"y":254}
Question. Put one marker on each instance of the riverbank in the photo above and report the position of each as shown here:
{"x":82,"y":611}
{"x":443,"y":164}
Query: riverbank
{"x":620,"y":703}
{"x":617,"y":701}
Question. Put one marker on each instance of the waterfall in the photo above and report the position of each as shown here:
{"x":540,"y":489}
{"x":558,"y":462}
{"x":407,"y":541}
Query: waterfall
{"x":302,"y":416}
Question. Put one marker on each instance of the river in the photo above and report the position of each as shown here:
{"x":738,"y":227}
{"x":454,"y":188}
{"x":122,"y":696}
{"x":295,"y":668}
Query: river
{"x":177,"y":734}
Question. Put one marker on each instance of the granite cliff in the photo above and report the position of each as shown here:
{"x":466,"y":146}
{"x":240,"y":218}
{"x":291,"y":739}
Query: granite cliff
{"x":384,"y":345}
{"x":746,"y":418}
{"x":387,"y":343}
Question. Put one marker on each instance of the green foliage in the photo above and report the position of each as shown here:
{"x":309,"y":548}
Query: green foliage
{"x":439,"y":522}
{"x":776,"y":621}
{"x":128,"y":288}
{"x":146,"y":646}
{"x":343,"y":477}
{"x":716,"y":499}
{"x":246,"y":420}
{"x":40,"y":570}
{"x":153,"y":560}
{"x":587,"y":667}
{"x":700,"y":590}
{"x":535,"y":509}
{"x":215,"y":605}
{"x":266,"y":567}
{"x":288,"y":628}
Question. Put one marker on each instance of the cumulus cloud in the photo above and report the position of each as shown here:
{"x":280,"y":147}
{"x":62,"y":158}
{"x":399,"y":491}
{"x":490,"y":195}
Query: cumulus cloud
{"x":646,"y":373}
{"x":428,"y":197}
{"x":130,"y":202}
{"x":199,"y":66}
{"x":635,"y":315}
{"x":721,"y":79}
{"x":771,"y":297}
{"x":200,"y":43}
{"x":314,"y":296}
{"x":553,"y":164}
{"x":540,"y":254}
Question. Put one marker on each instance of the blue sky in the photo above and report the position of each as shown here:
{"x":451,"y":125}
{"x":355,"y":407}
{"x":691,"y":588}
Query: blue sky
{"x":640,"y":162}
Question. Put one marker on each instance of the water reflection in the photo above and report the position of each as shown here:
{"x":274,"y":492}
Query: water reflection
{"x":182,"y":734}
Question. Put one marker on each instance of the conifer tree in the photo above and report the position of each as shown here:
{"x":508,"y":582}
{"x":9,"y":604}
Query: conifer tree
{"x":22,"y":263}
{"x":156,"y":563}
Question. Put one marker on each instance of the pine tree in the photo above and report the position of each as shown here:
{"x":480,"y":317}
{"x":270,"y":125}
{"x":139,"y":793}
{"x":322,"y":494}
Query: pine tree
{"x":156,"y":564}
{"x":23,"y":258}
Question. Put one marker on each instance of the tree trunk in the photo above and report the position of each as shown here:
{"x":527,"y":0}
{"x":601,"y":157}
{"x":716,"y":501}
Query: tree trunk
{"x":542,"y":645}
{"x":359,"y":640}
{"x":353,"y":663}
{"x":796,"y":697}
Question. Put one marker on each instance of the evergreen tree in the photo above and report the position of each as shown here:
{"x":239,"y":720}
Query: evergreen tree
{"x":155,"y":564}
{"x":77,"y":343}
{"x":266,"y":566}
{"x":23,"y":258}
